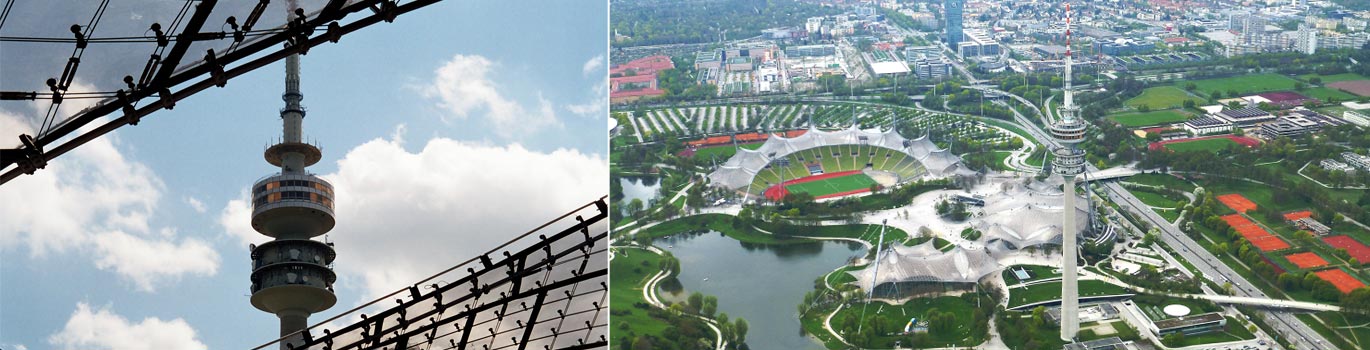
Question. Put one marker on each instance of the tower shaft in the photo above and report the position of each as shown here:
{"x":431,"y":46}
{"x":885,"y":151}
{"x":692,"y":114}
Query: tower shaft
{"x":1070,"y":292}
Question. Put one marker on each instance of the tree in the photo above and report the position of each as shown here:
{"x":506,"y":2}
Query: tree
{"x":710,"y":305}
{"x":695,"y":302}
{"x":740,"y":330}
{"x":1315,"y":80}
{"x":635,"y":207}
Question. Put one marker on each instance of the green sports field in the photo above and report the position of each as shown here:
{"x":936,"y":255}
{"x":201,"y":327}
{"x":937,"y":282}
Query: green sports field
{"x":1133,"y":120}
{"x":1211,"y":145}
{"x":834,"y":185}
{"x":1163,"y":97}
{"x":1244,"y":83}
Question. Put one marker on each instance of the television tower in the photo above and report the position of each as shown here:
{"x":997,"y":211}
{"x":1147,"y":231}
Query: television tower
{"x":292,"y":275}
{"x":1069,"y":131}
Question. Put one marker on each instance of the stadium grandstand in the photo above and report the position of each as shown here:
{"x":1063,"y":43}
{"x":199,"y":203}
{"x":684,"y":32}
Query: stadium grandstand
{"x":815,"y":152}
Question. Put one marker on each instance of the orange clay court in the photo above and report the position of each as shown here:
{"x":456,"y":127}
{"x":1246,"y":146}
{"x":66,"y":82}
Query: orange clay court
{"x":1344,"y":282}
{"x":1295,"y":215}
{"x":1255,"y":234}
{"x":1306,"y":260}
{"x":1237,"y":202}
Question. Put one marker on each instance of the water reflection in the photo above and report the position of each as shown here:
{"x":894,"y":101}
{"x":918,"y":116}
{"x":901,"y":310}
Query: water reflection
{"x":645,"y":188}
{"x":758,"y":282}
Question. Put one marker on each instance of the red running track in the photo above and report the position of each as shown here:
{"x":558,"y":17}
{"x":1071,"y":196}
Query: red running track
{"x":1241,"y":140}
{"x":778,"y":192}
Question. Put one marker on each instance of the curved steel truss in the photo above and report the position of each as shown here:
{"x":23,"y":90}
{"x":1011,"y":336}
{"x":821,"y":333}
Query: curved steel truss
{"x":550,"y":293}
{"x":171,"y":74}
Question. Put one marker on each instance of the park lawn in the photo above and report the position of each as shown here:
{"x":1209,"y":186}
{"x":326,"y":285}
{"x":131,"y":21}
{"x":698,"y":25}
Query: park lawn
{"x":723,"y":151}
{"x":1121,"y":330}
{"x":1155,"y":199}
{"x":632,"y":267}
{"x":1162,"y":97}
{"x":1139,"y":119}
{"x":895,"y":317}
{"x":1052,"y":291}
{"x":1244,"y":83}
{"x":1327,"y":94}
{"x":1035,"y":272}
{"x":1348,"y":325}
{"x":1257,"y":193}
{"x":1334,"y":78}
{"x":833,"y":185}
{"x":1233,"y":331}
{"x":1210,"y":145}
{"x":1162,"y":180}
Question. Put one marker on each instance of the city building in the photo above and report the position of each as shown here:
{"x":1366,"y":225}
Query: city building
{"x":637,"y":79}
{"x":1207,"y":125}
{"x":1190,"y":325}
{"x":1358,"y":117}
{"x":1289,"y":126}
{"x":926,"y":66}
{"x":1307,"y":41}
{"x":1351,"y":41}
{"x":1244,"y":117}
{"x":1247,"y":23}
{"x":953,"y":14}
{"x":978,"y":43}
{"x":1123,"y":46}
{"x":1356,"y":160}
{"x":810,"y":50}
{"x":1310,"y":225}
{"x":1334,"y":165}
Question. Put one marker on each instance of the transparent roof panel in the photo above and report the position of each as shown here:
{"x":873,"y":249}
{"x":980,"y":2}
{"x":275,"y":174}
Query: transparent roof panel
{"x":36,"y":41}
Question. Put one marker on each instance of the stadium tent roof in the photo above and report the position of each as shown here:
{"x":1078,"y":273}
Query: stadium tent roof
{"x":739,"y":170}
{"x":924,"y":263}
{"x":1022,"y":216}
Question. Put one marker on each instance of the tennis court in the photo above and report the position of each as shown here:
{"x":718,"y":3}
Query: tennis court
{"x":1306,"y":260}
{"x":1237,"y":202}
{"x":1353,"y":247}
{"x":1343,"y":281}
{"x":1255,"y":234}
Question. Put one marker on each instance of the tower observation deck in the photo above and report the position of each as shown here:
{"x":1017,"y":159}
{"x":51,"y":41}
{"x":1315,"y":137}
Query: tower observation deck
{"x":292,"y":275}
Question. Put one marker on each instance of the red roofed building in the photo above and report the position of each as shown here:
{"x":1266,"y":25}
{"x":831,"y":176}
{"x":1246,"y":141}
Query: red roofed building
{"x":637,"y":79}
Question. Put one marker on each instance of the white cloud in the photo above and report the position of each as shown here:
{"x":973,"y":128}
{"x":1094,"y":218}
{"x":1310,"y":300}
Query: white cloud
{"x":592,"y":65}
{"x":195,"y":204}
{"x":146,"y":262}
{"x":597,"y":106}
{"x":403,"y":216}
{"x":463,"y":86}
{"x":93,"y":190}
{"x":101,"y":329}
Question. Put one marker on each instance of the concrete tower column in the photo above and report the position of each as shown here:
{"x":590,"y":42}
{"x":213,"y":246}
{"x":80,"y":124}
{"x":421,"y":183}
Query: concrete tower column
{"x":1070,"y":292}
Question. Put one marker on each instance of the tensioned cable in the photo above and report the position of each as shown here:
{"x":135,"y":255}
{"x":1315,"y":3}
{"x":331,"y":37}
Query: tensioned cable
{"x":73,"y":63}
{"x":6,"y":12}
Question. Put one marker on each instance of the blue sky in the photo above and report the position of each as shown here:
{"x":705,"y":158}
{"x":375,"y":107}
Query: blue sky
{"x":444,"y":133}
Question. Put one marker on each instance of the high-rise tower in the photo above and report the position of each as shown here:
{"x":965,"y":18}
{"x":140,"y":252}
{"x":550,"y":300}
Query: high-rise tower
{"x":952,"y":12}
{"x":1069,"y":131}
{"x":292,"y":275}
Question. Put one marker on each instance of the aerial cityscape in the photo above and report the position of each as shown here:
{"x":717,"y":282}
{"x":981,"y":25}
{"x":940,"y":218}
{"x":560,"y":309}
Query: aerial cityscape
{"x":832,"y":174}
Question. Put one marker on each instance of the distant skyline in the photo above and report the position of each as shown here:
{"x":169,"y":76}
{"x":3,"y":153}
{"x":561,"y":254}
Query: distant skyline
{"x":444,"y":134}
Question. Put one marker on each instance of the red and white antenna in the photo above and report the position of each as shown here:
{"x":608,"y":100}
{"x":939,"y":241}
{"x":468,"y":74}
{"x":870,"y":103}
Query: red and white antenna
{"x":1067,"y":30}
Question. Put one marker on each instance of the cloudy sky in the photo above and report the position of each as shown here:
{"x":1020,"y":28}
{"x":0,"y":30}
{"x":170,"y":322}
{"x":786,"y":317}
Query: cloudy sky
{"x":444,"y":133}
